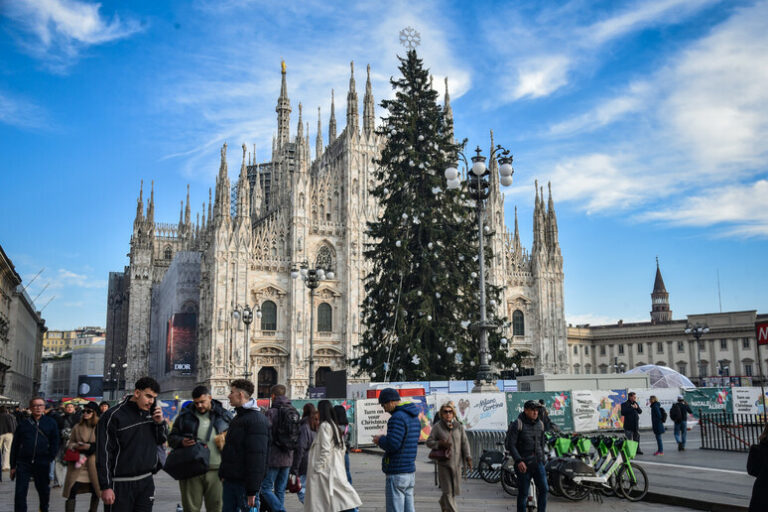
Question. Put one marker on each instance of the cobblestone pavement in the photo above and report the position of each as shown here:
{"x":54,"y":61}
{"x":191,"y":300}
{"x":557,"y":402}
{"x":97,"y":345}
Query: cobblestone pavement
{"x":477,"y":495}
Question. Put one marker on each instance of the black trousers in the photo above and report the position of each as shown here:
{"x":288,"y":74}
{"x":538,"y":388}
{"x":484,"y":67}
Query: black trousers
{"x":135,"y":496}
{"x":40,"y":473}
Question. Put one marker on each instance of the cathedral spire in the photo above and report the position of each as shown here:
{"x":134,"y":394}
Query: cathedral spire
{"x":222,"y":204}
{"x":369,"y":115}
{"x":188,"y":212}
{"x":332,"y":122}
{"x":319,"y":139}
{"x":554,"y":243}
{"x":140,"y":204}
{"x":181,"y":215}
{"x":243,"y":191}
{"x":203,"y":221}
{"x":151,"y":207}
{"x":299,"y":128}
{"x":537,"y":239}
{"x":353,"y":123}
{"x":660,"y":312}
{"x":516,"y":243}
{"x":283,"y":110}
{"x":447,"y":110}
{"x":210,"y":202}
{"x":493,"y":167}
{"x":256,"y":199}
{"x":197,"y":224}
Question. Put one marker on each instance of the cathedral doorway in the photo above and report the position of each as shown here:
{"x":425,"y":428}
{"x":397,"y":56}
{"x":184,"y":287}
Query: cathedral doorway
{"x":266,"y":379}
{"x":321,"y":376}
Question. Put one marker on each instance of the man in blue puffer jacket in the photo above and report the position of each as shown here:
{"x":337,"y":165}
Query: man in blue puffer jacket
{"x":400,"y":444}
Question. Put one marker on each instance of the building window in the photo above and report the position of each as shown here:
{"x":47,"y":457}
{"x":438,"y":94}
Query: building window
{"x":745,"y":343}
{"x":587,"y":368}
{"x":723,"y":344}
{"x":602,"y":350}
{"x":681,"y":346}
{"x":748,"y":369}
{"x":575,"y":350}
{"x":621,"y":349}
{"x":660,"y":347}
{"x":324,"y":258}
{"x":268,"y":316}
{"x":576,"y":369}
{"x":586,"y":350}
{"x":167,"y":252}
{"x":681,"y":368}
{"x":324,"y":318}
{"x":639,"y":348}
{"x":518,"y":323}
{"x":603,"y":368}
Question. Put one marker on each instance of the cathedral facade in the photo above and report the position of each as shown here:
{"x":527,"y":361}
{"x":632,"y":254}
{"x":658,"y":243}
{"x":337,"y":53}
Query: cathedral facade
{"x":298,"y":208}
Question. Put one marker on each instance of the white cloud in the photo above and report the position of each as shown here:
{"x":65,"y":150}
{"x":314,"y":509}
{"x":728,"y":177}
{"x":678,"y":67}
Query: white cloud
{"x":20,"y":112}
{"x":57,"y":31}
{"x":66,"y":278}
{"x":541,"y":76}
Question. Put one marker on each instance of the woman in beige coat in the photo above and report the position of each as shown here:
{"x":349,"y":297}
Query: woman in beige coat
{"x":448,"y":434}
{"x":328,"y":489}
{"x":81,"y":475}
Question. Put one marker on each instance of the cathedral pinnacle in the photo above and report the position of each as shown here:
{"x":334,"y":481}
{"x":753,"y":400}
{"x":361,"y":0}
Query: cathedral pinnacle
{"x":369,"y":116}
{"x":283,"y":110}
{"x":319,"y":139}
{"x":151,"y":207}
{"x":140,"y":203}
{"x":210,"y":203}
{"x":353,"y":123}
{"x":188,"y":211}
{"x":332,"y":122}
{"x":299,"y":128}
{"x":243,"y":190}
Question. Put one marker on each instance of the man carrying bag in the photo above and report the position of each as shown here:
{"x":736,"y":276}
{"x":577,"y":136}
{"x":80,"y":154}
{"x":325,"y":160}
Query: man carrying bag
{"x":194,"y":462}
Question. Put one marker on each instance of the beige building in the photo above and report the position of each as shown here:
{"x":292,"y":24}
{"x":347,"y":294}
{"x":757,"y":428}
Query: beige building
{"x":728,"y":349}
{"x":57,"y":342}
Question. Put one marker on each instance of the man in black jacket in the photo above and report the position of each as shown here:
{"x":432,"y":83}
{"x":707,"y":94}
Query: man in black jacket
{"x":34,"y":446}
{"x":127,"y":439}
{"x":525,"y":441}
{"x":244,"y":458}
{"x":631,"y":412}
{"x":200,"y":422}
{"x":679,"y":414}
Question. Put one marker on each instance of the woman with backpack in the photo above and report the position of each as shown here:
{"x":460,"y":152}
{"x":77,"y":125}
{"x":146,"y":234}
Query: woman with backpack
{"x":657,"y":422}
{"x":757,"y":465}
{"x":450,"y":448}
{"x":328,"y":489}
{"x":81,"y":473}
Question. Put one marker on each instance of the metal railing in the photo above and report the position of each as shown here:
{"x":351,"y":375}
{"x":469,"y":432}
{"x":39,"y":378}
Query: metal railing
{"x":730,"y":432}
{"x":480,"y":440}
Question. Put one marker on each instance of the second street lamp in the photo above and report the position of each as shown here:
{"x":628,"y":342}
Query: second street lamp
{"x":697,"y":331}
{"x":246,"y":314}
{"x":478,"y":184}
{"x":311,"y":278}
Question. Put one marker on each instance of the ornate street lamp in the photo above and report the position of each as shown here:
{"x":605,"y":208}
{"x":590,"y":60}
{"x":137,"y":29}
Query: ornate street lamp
{"x":697,"y":331}
{"x":246,"y":314}
{"x":478,"y":184}
{"x":311,"y":278}
{"x":618,"y":367}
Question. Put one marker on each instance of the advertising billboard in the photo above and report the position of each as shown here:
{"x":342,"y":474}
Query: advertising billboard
{"x":181,"y":340}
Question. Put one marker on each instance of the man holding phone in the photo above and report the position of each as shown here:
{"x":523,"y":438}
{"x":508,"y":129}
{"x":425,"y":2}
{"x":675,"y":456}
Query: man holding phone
{"x":127,"y":437}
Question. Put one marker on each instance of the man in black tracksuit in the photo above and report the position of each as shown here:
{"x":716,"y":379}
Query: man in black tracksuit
{"x":127,"y":438}
{"x":631,"y":412}
{"x":34,"y":446}
{"x":525,"y":441}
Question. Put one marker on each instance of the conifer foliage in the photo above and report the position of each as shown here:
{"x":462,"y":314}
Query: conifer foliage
{"x":422,"y":291}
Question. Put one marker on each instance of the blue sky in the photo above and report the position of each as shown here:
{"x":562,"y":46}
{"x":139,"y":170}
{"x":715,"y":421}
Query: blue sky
{"x":649,"y":117}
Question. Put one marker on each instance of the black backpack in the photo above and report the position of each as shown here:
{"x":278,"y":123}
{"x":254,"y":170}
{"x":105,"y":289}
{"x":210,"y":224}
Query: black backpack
{"x":663,"y":415}
{"x":285,"y":431}
{"x":675,"y":413}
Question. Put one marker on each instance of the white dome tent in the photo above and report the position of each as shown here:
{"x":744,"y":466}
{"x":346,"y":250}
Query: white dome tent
{"x":662,"y":376}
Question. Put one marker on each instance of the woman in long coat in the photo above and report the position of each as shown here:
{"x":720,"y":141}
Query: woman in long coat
{"x":449,"y":435}
{"x":81,"y":475}
{"x":757,"y":465}
{"x":327,"y":487}
{"x":657,"y":424}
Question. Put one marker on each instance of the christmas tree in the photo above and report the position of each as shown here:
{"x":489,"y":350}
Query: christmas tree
{"x":422,"y":292}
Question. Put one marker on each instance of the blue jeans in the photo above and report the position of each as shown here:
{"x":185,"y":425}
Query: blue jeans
{"x":681,"y":431}
{"x":659,"y":443}
{"x":539,"y":475}
{"x":399,"y":492}
{"x":273,"y":488}
{"x":233,"y":498}
{"x":40,"y":473}
{"x":303,"y":491}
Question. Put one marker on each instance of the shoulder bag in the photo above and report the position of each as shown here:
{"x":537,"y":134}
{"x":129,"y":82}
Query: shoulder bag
{"x":188,"y":461}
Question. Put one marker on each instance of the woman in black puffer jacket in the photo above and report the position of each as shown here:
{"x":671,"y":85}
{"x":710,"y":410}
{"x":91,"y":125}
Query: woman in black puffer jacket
{"x":757,"y":465}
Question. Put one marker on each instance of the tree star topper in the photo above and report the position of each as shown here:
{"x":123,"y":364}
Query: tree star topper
{"x":410,"y":38}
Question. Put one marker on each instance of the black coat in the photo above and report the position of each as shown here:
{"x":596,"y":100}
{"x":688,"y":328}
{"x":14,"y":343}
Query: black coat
{"x":244,"y":457}
{"x":631,"y":416}
{"x":526,"y":444}
{"x":186,"y":423}
{"x":685,"y":410}
{"x":757,"y":465}
{"x":35,"y":442}
{"x":656,"y":423}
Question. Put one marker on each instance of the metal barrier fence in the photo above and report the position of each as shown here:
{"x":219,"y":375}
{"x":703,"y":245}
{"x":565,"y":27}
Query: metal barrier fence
{"x":480,"y":440}
{"x":730,"y":432}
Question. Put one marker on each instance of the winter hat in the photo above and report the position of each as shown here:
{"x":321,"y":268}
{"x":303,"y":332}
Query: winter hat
{"x":388,"y":395}
{"x":680,"y":398}
{"x":93,"y":406}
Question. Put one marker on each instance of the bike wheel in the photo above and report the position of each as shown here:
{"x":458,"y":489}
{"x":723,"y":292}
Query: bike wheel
{"x":488,"y":473}
{"x":509,"y":482}
{"x":633,"y":488}
{"x":571,"y":489}
{"x":552,"y":484}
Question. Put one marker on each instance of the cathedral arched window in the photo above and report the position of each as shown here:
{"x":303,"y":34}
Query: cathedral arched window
{"x":324,"y":258}
{"x":167,"y":252}
{"x":268,"y":316}
{"x":518,"y":323}
{"x":324,"y":317}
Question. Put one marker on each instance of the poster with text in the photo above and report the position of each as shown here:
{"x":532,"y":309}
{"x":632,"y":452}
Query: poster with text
{"x":584,"y":408}
{"x":478,"y":411}
{"x":709,"y":400}
{"x":748,"y":401}
{"x":371,"y":419}
{"x":180,"y":343}
{"x":666,"y":397}
{"x":558,"y":404}
{"x":609,"y":408}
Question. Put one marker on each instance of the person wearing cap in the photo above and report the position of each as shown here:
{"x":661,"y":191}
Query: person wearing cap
{"x":449,"y":436}
{"x":400,"y":445}
{"x":81,"y":474}
{"x":678,"y":413}
{"x":525,"y":442}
